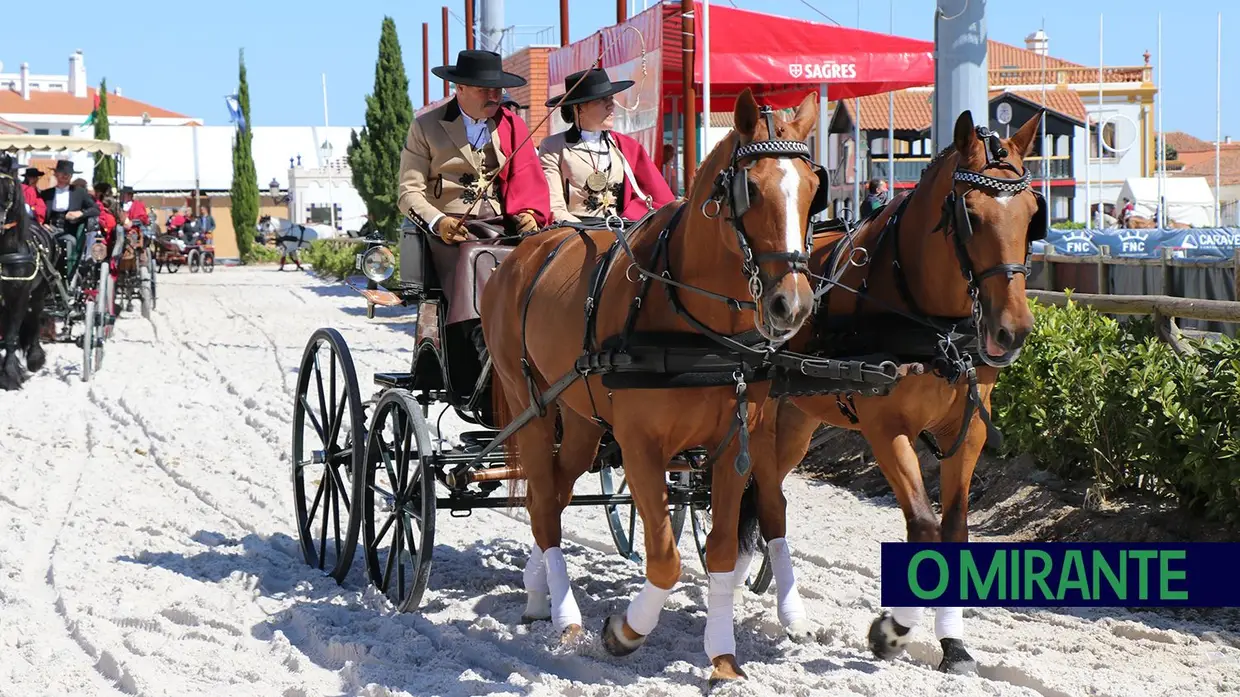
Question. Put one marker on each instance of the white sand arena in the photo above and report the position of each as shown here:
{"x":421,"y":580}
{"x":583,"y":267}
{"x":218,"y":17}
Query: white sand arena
{"x":147,"y":547}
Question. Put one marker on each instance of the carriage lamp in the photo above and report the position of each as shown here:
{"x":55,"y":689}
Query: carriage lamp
{"x":379,"y":264}
{"x":98,"y":251}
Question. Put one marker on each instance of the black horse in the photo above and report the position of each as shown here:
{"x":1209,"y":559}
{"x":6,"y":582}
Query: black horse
{"x":25,"y":249}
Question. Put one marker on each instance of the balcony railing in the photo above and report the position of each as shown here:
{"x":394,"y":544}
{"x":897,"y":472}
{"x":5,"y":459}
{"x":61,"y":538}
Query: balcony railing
{"x":1008,"y":77}
{"x":909,"y":169}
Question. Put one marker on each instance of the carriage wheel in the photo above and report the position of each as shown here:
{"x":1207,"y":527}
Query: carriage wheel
{"x":758,"y":580}
{"x":328,"y":429}
{"x":208,"y":262}
{"x":105,"y":315}
{"x":622,"y":519}
{"x":151,"y":278}
{"x":172,"y":266}
{"x":397,"y":496}
{"x":195,"y":261}
{"x":88,"y":342}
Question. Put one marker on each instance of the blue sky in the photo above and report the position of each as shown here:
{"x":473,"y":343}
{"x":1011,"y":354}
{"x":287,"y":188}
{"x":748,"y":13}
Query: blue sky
{"x":183,"y":56}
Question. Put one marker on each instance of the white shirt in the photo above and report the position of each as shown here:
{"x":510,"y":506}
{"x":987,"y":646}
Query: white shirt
{"x":61,"y":201}
{"x":593,"y":141}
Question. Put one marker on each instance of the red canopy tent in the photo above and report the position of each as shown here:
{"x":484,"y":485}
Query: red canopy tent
{"x":780,"y":59}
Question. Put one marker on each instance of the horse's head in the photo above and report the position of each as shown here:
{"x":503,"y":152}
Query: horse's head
{"x":993,"y":215}
{"x":12,"y":201}
{"x":769,"y":187}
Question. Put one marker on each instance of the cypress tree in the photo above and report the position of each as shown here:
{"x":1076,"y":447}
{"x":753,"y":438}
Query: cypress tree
{"x":105,"y":166}
{"x":374,"y":156}
{"x":245,"y":177}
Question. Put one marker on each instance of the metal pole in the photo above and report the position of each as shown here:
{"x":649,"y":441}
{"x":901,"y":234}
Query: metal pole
{"x":1045,"y":151}
{"x":1218,"y":116}
{"x":622,"y":11}
{"x":961,"y":76}
{"x":1162,"y":138}
{"x":689,"y":108}
{"x":446,"y":59}
{"x":564,"y":23}
{"x":856,"y":207}
{"x":891,"y":113}
{"x":331,"y":194}
{"x":469,"y":25}
{"x":426,"y":63}
{"x":1101,"y":191}
{"x":706,"y":139}
{"x":1089,"y":192}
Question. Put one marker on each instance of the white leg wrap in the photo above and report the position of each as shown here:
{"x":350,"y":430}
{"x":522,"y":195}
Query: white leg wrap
{"x":907,"y":616}
{"x":644,"y":609}
{"x":564,"y":610}
{"x":743,"y":562}
{"x":537,"y":603}
{"x":949,"y":623}
{"x":789,"y":606}
{"x":720,"y":637}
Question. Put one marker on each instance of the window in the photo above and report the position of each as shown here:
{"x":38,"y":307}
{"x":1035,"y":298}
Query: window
{"x":40,"y":131}
{"x":64,"y":131}
{"x":320,"y":215}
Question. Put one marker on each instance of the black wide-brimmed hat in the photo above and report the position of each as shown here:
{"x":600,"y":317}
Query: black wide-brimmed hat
{"x":32,"y":172}
{"x":65,"y":167}
{"x":479,"y":69}
{"x":596,"y":85}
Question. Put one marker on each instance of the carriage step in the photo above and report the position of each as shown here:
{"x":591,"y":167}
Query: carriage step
{"x":398,"y":380}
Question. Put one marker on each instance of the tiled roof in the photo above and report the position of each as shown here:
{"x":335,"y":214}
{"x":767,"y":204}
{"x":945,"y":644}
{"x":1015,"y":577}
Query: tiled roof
{"x":1229,"y":165}
{"x":912,"y":109}
{"x":1000,"y":55}
{"x":1183,"y":142}
{"x":64,"y":103}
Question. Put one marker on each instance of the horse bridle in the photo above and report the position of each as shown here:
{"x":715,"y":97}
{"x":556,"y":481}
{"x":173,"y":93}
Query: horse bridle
{"x":956,"y":213}
{"x":733,"y":183}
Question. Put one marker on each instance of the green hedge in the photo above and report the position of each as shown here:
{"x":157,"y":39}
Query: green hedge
{"x":1093,"y":397}
{"x":335,"y":260}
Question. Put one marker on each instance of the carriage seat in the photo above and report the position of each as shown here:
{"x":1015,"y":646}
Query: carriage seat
{"x":456,"y":272}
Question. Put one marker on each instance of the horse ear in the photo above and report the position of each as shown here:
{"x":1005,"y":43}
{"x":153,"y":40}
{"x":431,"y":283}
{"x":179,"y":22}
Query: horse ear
{"x":745,"y":116}
{"x":964,"y":138}
{"x":806,"y":116}
{"x":1023,"y":139}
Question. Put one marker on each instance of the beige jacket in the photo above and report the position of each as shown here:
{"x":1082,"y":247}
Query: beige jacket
{"x":439,"y":171}
{"x":567,"y":162}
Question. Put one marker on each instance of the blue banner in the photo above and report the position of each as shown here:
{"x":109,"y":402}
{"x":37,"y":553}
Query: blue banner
{"x":1108,"y":574}
{"x":1194,"y":243}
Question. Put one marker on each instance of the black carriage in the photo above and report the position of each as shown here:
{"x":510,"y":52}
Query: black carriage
{"x":83,"y":291}
{"x":383,"y":476}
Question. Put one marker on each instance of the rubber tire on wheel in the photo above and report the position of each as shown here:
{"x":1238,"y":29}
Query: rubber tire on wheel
{"x":88,"y":342}
{"x":757,"y":581}
{"x":622,"y":519}
{"x":105,"y":318}
{"x":194,"y":261}
{"x":340,"y":454}
{"x":146,"y":292}
{"x":208,"y":262}
{"x":151,"y":275}
{"x":409,"y":487}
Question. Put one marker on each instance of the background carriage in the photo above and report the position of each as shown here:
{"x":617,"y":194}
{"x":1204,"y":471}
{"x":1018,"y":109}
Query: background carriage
{"x":380,"y":478}
{"x":84,"y":294}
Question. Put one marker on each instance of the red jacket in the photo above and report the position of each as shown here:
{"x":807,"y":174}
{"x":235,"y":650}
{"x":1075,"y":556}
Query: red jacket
{"x":137,"y":212}
{"x":36,"y":203}
{"x":107,"y":221}
{"x":521,"y":183}
{"x":648,"y":177}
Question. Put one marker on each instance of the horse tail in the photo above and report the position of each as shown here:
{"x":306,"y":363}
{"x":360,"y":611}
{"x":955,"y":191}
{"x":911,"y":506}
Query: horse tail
{"x":747,"y":525}
{"x":501,"y":415}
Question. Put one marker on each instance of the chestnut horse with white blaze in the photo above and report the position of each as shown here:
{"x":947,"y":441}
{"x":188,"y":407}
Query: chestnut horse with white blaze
{"x":563,"y":292}
{"x":942,"y":282}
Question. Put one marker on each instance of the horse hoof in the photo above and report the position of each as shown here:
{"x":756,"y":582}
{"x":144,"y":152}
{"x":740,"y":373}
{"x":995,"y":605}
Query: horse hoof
{"x":956,"y":659}
{"x":725,"y":669}
{"x":36,"y":361}
{"x":571,"y":634}
{"x":615,"y":639}
{"x":887,"y":638}
{"x":800,"y":632}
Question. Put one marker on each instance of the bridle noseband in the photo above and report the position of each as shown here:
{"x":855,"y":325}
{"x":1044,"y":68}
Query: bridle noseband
{"x":733,"y":183}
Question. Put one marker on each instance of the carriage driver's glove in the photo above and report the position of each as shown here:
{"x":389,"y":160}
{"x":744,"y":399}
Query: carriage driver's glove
{"x":526,"y":222}
{"x":451,"y":231}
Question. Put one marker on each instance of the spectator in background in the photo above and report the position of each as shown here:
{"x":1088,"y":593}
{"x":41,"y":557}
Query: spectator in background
{"x":876,"y":198}
{"x":206,"y":223}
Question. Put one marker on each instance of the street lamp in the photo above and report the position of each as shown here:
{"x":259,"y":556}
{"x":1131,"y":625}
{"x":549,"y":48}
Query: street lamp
{"x":274,"y":189}
{"x":326,"y":150}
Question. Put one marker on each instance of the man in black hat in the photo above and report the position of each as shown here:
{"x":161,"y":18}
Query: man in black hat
{"x":68,"y":207}
{"x":593,"y":171}
{"x":470,"y":161}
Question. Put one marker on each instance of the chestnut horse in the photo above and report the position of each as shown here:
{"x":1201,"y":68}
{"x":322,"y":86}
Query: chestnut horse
{"x":734,"y":259}
{"x":945,"y":262}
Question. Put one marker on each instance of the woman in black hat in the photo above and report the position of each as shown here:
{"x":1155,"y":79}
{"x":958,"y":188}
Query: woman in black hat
{"x":30,"y":189}
{"x":593,"y":171}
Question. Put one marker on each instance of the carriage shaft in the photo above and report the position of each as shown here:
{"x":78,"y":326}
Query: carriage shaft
{"x":586,"y":500}
{"x":496,"y":474}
